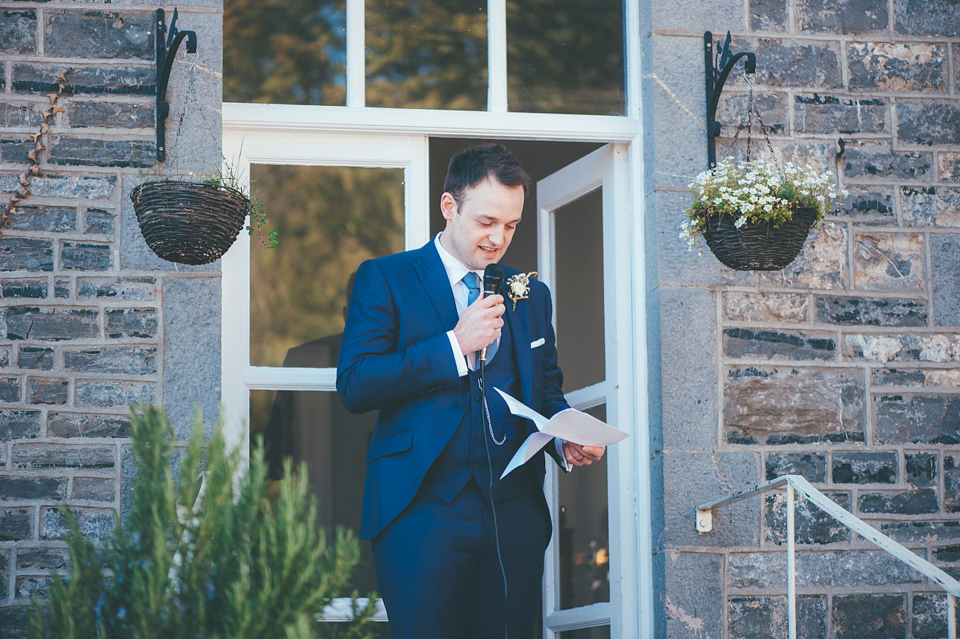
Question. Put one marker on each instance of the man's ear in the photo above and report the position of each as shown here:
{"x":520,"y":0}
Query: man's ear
{"x":448,"y":205}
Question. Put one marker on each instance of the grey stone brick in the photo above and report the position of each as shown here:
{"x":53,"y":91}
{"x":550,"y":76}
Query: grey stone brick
{"x":951,"y":484}
{"x":127,"y":360}
{"x":96,"y":524}
{"x":944,"y":256}
{"x":888,"y":261}
{"x":63,"y":456}
{"x":61,"y":289}
{"x":881,"y":164}
{"x":916,"y":419}
{"x":123,"y":288}
{"x":920,"y":18}
{"x":51,"y":219}
{"x":94,"y":489}
{"x":903,"y":347}
{"x":754,"y":617}
{"x":99,"y":222}
{"x":13,"y":622}
{"x":930,"y":206}
{"x":24,"y":288}
{"x":51,"y":324}
{"x":99,"y":34}
{"x":864,"y":468}
{"x":20,"y":115}
{"x":921,"y":469}
{"x":827,"y":114}
{"x":132,"y":322}
{"x":16,"y":524}
{"x":114,"y":394}
{"x":808,"y":65}
{"x":775,"y":406}
{"x":868,"y":205}
{"x":5,"y":352}
{"x":27,"y":587}
{"x":838,"y":569}
{"x":39,"y":79}
{"x":928,"y":122}
{"x":15,"y":150}
{"x":17,"y":488}
{"x":88,"y":188}
{"x":901,"y":66}
{"x":732,"y":113}
{"x":765,"y":307}
{"x":19,"y":424}
{"x":859,"y":311}
{"x":10,"y":389}
{"x":688,"y":14}
{"x":897,"y":377}
{"x":778,"y":345}
{"x":87,"y":425}
{"x":119,"y":115}
{"x":812,"y":467}
{"x":693,"y":594}
{"x":191,"y":351}
{"x":94,"y":152}
{"x":947,"y":554}
{"x":822,"y":264}
{"x":18,"y":31}
{"x":929,"y":616}
{"x":948,"y":166}
{"x":768,"y":15}
{"x":44,"y":559}
{"x":812,"y":525}
{"x":85,"y":257}
{"x":842,"y":16}
{"x":52,"y":392}
{"x":25,"y":254}
{"x":882,"y":616}
{"x":921,"y":531}
{"x":911,"y":502}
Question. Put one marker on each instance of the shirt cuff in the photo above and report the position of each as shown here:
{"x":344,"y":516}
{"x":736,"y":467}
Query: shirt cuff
{"x":458,"y":355}
{"x":567,"y":465}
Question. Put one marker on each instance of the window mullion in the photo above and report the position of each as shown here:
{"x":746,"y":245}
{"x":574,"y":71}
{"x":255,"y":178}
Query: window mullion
{"x":497,"y":56}
{"x":356,"y":63}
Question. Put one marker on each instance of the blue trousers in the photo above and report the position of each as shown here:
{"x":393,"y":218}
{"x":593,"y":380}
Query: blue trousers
{"x":438,"y":571}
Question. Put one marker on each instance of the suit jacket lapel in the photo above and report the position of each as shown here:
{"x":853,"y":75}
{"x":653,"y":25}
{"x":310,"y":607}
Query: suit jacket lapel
{"x":434,"y":277}
{"x":520,"y":334}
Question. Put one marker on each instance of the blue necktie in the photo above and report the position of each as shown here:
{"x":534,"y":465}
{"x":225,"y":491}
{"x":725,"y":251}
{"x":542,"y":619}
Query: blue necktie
{"x":472,"y":280}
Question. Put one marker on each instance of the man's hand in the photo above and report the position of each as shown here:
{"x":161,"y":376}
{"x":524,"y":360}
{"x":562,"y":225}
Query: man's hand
{"x":480,"y":324}
{"x":582,"y":455}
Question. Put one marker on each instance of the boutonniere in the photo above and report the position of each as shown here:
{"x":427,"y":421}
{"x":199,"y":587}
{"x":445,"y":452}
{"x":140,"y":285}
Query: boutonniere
{"x":518,"y":287}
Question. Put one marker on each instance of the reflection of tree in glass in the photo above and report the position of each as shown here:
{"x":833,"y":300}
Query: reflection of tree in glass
{"x":429,"y":54}
{"x":284,"y":51}
{"x":565,"y":56}
{"x":330,"y":219}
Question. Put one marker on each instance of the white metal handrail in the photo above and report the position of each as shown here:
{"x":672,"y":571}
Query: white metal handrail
{"x":854,"y":523}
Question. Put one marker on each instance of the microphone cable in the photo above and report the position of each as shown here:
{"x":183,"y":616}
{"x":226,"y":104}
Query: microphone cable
{"x":493,"y":506}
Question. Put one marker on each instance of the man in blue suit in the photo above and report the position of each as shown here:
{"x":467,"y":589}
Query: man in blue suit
{"x":447,"y":532}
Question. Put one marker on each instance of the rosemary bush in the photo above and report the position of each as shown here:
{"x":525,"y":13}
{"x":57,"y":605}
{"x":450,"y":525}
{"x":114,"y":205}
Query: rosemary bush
{"x":212,"y":558}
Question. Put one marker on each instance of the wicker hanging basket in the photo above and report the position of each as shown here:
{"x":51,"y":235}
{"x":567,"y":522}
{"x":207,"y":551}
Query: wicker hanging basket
{"x":758,"y":247}
{"x":189,"y":222}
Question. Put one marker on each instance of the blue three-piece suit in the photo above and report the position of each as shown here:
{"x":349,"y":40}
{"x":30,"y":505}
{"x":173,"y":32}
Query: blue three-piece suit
{"x":428,"y":480}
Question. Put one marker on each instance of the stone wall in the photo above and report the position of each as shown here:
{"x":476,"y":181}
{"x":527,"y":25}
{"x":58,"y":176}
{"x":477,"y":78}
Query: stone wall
{"x":90,"y":319}
{"x":844,"y":367}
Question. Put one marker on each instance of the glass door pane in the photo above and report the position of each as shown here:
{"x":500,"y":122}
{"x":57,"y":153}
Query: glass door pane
{"x":329,"y":219}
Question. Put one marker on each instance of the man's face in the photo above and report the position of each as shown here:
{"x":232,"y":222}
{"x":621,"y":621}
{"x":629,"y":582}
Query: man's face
{"x":480,"y":228}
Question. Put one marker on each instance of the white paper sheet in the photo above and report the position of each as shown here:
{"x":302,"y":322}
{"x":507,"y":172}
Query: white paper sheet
{"x":571,"y":425}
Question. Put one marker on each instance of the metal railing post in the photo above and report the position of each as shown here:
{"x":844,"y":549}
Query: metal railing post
{"x":791,"y":568}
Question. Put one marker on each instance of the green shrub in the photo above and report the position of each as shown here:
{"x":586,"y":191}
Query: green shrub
{"x":211,"y":555}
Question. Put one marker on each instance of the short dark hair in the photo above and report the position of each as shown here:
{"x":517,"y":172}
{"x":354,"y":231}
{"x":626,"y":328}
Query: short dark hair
{"x":473,"y":165}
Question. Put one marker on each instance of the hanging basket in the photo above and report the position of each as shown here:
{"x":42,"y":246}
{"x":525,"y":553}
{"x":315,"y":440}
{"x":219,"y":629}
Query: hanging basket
{"x":189,"y":222}
{"x":759,"y":247}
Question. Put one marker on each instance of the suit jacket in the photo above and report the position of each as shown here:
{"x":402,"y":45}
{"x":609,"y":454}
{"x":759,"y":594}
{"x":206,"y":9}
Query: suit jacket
{"x":396,"y":358}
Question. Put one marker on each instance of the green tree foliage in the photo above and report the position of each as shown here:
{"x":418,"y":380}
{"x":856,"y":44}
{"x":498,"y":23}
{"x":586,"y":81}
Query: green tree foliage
{"x":214,"y":557}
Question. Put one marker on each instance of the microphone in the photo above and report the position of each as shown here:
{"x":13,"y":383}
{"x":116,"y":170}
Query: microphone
{"x":492,"y":279}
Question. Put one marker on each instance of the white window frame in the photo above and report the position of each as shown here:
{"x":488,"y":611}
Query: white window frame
{"x":280,"y":134}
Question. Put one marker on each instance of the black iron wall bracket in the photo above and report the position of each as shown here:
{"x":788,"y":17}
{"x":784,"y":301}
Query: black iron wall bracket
{"x":716,"y":76}
{"x":167,"y":45}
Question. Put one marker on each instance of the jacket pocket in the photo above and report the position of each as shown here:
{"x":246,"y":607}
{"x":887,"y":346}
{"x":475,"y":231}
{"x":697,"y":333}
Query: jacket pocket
{"x":390,"y":444}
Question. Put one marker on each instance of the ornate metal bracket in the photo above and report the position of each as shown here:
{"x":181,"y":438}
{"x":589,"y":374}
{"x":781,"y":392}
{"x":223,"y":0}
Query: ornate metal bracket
{"x":716,"y":75}
{"x":167,"y":45}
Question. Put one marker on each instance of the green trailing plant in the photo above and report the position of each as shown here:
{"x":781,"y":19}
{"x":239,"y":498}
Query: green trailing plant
{"x":210,"y":555}
{"x":229,"y":178}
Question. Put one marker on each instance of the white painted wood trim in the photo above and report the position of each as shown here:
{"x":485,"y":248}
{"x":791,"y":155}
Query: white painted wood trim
{"x":356,"y":60}
{"x":497,"y":56}
{"x":589,"y":616}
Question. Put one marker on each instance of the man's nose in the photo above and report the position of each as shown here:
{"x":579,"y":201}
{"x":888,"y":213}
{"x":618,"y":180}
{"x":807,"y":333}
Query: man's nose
{"x":496,"y":236}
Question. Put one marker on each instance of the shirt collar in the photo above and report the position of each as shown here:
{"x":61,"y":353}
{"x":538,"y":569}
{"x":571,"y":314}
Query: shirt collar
{"x":454,"y":267}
